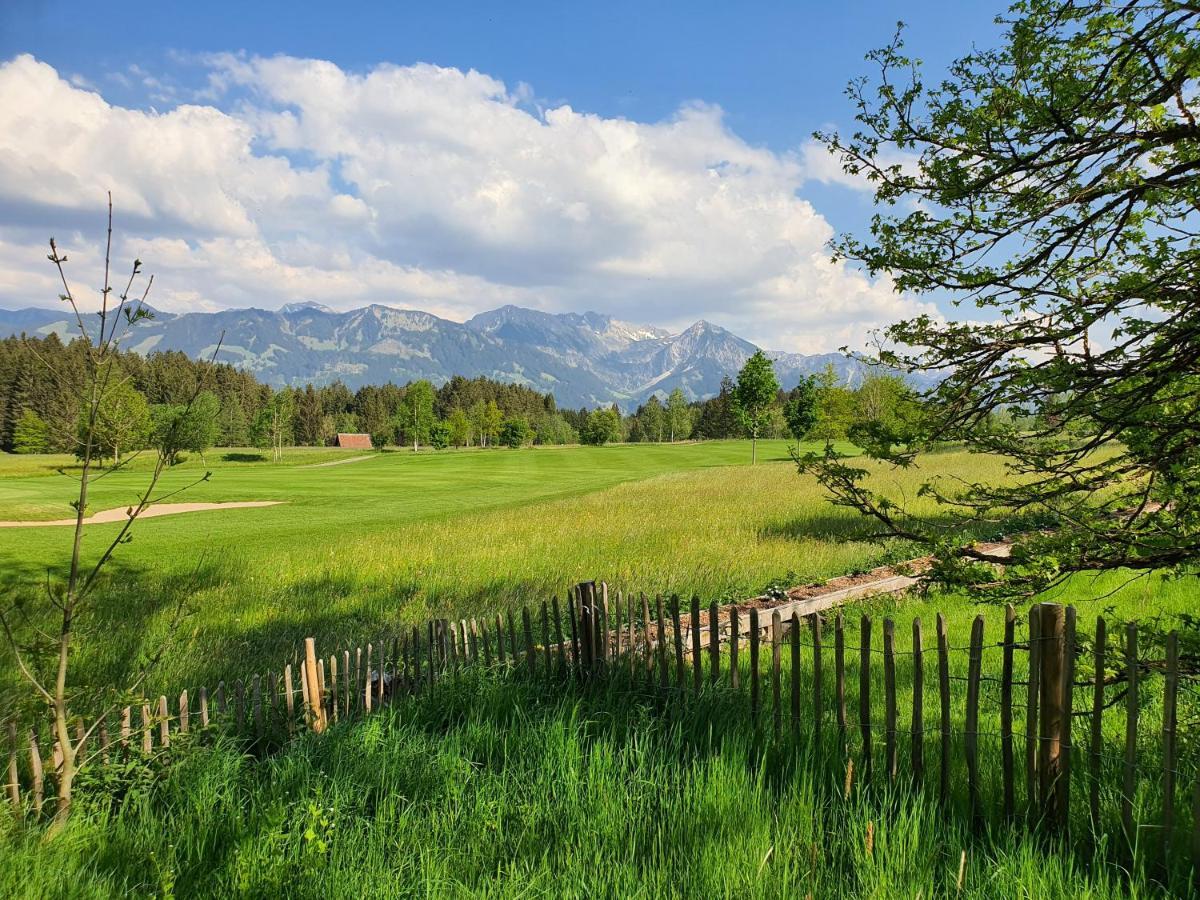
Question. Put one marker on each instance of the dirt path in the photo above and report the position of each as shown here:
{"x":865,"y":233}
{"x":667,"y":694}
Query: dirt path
{"x":337,"y":462}
{"x":161,"y":509}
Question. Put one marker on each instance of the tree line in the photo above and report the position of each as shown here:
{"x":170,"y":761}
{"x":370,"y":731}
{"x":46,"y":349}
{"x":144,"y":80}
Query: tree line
{"x":39,"y":412}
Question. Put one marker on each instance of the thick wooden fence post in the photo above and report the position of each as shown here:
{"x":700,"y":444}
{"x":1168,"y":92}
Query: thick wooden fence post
{"x":316,"y":707}
{"x":1033,"y":690}
{"x":1050,"y":731}
{"x":585,"y":591}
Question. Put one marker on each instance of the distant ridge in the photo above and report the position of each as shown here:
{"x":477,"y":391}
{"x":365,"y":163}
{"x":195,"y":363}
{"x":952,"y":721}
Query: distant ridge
{"x":584,"y":359}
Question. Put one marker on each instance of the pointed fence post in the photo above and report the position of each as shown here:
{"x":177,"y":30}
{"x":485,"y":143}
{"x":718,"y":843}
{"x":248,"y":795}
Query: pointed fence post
{"x":315,"y":704}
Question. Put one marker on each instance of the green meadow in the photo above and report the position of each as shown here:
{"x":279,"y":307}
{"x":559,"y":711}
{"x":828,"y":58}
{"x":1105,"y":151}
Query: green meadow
{"x":498,"y":785}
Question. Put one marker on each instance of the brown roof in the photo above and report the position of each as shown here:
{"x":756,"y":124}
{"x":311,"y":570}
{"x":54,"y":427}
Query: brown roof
{"x":354,"y":441}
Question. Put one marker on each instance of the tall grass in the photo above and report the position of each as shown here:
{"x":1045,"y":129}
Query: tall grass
{"x":498,"y":786}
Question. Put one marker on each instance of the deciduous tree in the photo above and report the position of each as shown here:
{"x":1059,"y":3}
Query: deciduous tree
{"x":1052,"y":182}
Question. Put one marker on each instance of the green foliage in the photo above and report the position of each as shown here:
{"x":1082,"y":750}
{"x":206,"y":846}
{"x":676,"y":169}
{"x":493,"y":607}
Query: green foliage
{"x":122,"y":421}
{"x":439,"y":435}
{"x":178,"y":427}
{"x":717,"y":419}
{"x":1053,"y":182}
{"x":416,"y":413}
{"x":603,"y":427}
{"x":555,"y":429}
{"x":754,"y":396}
{"x":515,"y":433}
{"x":273,"y":427}
{"x":800,"y":408}
{"x":460,"y":428}
{"x":679,"y":417}
{"x":31,"y":434}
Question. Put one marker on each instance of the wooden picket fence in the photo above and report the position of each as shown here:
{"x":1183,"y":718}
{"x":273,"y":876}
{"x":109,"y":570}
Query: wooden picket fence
{"x":1046,"y":761}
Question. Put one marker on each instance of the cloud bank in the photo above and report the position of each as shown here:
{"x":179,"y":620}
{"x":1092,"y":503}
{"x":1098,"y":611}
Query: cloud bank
{"x":421,"y":186}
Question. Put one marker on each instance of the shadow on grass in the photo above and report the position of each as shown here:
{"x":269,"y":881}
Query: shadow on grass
{"x":243,"y":457}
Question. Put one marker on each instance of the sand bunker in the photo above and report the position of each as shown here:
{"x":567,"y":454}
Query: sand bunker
{"x":337,"y":462}
{"x":159,"y":509}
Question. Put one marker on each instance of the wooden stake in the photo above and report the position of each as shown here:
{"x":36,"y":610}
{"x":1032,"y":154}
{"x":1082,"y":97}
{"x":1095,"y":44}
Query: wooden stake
{"x":889,"y":698}
{"x":164,"y":723}
{"x":1129,"y":786}
{"x":839,"y":672}
{"x":203,"y":707}
{"x":974,"y":668}
{"x":943,"y":639}
{"x":558,"y":637}
{"x":1097,"y":747}
{"x":754,"y":685}
{"x":530,"y":649}
{"x":316,"y":707}
{"x":1063,"y":793}
{"x":864,"y":695}
{"x":548,"y":662}
{"x":662,"y":642}
{"x":1007,"y":759}
{"x":680,"y":668}
{"x":918,"y":707}
{"x":697,"y":640}
{"x":714,"y":644}
{"x":818,"y":681}
{"x":1050,"y":729}
{"x":184,"y":711}
{"x":1033,"y":691}
{"x":735,"y":675}
{"x":795,"y":673}
{"x":776,"y":655}
{"x":1170,"y":695}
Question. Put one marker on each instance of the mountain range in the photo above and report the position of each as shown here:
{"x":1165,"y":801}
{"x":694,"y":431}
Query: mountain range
{"x":583,"y":359}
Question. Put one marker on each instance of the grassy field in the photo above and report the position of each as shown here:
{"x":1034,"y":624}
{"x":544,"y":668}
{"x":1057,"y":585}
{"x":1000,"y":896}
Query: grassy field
{"x":392,"y":539}
{"x":496,"y":786}
{"x":499,"y":786}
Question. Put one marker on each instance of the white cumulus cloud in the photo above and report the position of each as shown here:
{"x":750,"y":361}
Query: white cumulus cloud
{"x":425,"y":187}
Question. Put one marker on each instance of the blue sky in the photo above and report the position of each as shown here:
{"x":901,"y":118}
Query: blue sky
{"x":705,"y":86}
